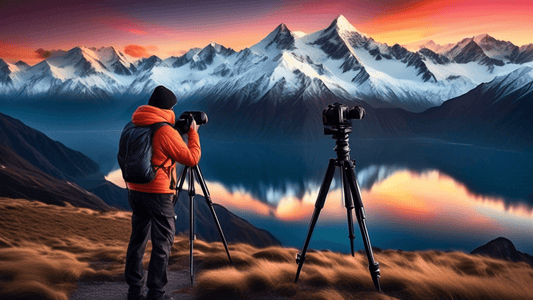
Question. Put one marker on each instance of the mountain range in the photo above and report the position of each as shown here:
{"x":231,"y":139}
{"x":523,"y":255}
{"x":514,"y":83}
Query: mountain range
{"x":337,"y":62}
{"x":477,"y":88}
{"x":483,"y":48}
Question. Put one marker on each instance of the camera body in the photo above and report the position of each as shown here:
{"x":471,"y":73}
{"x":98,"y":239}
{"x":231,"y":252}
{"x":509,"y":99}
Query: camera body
{"x":184,"y":122}
{"x":340,"y":115}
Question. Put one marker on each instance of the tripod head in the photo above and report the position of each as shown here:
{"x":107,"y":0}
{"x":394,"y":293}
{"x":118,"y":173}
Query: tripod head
{"x":341,"y":137}
{"x":337,"y":120}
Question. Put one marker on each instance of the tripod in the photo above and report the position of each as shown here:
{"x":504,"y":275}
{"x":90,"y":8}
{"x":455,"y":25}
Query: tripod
{"x":195,"y":173}
{"x":351,"y":190}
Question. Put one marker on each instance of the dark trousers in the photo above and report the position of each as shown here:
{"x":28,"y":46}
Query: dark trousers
{"x":153,"y":217}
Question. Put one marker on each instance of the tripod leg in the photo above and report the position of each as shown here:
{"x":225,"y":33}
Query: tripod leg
{"x":207,"y":196}
{"x":319,"y":204}
{"x":360,"y":213}
{"x":191,"y":223}
{"x":181,"y":180}
{"x":348,"y":200}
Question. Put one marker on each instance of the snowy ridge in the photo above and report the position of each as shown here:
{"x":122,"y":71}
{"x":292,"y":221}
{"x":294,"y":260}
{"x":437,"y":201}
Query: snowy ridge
{"x":483,"y":49}
{"x":513,"y":81}
{"x":338,"y":61}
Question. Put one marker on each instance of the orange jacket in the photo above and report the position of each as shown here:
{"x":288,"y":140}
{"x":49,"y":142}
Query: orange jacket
{"x":166,"y":143}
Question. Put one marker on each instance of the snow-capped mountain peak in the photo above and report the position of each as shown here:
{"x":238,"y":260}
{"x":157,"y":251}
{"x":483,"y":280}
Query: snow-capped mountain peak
{"x":148,"y":63}
{"x":467,"y":45}
{"x":114,"y":60}
{"x":437,"y":48}
{"x":78,"y":62}
{"x":109,"y":55}
{"x":342,"y":24}
{"x":8,"y":68}
{"x":5,"y":74}
{"x":496,"y":49}
{"x":480,"y":37}
{"x":280,"y":38}
{"x":431,"y":45}
{"x":177,"y":62}
{"x":208,"y":54}
{"x":22,"y":65}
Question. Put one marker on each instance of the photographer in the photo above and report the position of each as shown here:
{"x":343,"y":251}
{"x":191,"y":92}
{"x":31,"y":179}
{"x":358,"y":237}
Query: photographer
{"x":153,"y":203}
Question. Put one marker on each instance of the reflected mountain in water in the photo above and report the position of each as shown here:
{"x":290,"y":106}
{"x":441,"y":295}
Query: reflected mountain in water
{"x":268,"y":171}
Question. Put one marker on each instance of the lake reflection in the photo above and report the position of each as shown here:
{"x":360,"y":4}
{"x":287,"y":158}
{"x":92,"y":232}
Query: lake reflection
{"x":418,"y":194}
{"x":268,"y":171}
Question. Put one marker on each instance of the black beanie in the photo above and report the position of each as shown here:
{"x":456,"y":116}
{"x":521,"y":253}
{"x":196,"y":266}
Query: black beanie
{"x":162,"y":98}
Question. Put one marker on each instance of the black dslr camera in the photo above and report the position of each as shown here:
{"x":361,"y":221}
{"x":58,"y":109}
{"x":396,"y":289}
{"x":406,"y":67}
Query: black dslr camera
{"x":338,"y":114}
{"x":338,"y":117}
{"x":183,"y":123}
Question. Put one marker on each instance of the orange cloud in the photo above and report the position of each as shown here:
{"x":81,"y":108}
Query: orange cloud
{"x":41,"y":53}
{"x":136,"y":51}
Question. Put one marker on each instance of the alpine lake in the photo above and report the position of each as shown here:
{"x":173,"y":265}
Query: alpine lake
{"x":417,"y":193}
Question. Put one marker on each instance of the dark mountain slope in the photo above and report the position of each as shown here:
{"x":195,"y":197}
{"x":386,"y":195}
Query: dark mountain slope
{"x":499,"y":112}
{"x":55,"y":159}
{"x":503,"y":248}
{"x":50,"y":156}
{"x":21,"y":179}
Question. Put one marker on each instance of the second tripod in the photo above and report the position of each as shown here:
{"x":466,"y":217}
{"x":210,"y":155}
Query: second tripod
{"x":351,"y":193}
{"x":195,"y":174}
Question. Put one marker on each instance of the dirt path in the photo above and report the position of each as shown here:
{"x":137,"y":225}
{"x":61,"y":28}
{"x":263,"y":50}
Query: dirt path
{"x":178,"y":286}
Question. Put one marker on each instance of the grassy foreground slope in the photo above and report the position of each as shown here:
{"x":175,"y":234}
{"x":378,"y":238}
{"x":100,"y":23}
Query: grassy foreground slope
{"x":46,"y":249}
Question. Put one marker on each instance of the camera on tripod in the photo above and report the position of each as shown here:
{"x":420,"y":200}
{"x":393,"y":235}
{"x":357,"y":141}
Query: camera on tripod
{"x":183,"y":123}
{"x":340,"y":115}
{"x":337,"y":119}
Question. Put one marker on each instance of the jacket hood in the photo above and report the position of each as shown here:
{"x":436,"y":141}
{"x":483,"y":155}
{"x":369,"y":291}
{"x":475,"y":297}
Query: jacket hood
{"x":148,"y":115}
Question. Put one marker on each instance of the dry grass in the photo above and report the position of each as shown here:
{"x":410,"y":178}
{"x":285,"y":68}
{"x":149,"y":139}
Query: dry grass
{"x":46,"y":249}
{"x":405,"y":275}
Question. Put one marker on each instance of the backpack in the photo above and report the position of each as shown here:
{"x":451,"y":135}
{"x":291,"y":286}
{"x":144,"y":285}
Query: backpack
{"x":135,"y":153}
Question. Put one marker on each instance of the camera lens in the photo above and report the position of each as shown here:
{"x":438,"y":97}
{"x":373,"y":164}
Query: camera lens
{"x":356,"y":112}
{"x":199,"y":116}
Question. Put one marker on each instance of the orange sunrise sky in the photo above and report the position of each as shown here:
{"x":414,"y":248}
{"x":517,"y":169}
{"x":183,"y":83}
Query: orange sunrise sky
{"x":142,"y":28}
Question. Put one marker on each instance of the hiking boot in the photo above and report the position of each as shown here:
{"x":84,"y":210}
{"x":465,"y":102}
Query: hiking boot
{"x":136,"y":297}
